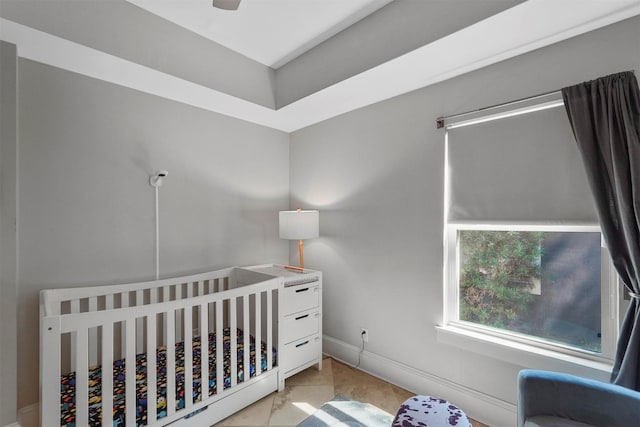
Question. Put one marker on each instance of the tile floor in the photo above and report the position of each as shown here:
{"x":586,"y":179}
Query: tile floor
{"x":310,"y":389}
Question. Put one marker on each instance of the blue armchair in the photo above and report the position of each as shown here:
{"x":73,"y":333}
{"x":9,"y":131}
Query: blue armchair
{"x":550,"y":399}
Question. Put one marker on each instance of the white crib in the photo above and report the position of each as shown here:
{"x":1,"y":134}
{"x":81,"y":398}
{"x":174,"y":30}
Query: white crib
{"x":88,"y":335}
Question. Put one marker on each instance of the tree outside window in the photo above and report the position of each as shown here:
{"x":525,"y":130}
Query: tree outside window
{"x":543,"y":284}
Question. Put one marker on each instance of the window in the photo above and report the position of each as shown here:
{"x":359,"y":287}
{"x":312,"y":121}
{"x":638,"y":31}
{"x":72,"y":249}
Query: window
{"x":523,"y":251}
{"x":540,"y":284}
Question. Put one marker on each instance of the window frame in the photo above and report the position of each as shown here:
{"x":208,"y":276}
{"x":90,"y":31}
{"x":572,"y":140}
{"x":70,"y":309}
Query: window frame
{"x":608,"y":292}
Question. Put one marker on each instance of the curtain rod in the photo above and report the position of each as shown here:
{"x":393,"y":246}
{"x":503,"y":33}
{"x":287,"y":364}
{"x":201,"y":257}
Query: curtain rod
{"x":440,"y":120}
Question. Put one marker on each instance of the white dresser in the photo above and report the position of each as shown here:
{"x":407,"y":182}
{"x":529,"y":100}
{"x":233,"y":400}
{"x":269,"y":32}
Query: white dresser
{"x":301,"y":317}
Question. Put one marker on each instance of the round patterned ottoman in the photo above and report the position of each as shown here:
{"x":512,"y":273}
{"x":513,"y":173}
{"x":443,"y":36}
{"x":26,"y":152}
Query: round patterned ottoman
{"x":428,"y":411}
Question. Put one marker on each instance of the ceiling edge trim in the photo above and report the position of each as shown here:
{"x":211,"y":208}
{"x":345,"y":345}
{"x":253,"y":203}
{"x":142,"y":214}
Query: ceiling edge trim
{"x":460,"y":53}
{"x":483,"y":46}
{"x":61,"y":53}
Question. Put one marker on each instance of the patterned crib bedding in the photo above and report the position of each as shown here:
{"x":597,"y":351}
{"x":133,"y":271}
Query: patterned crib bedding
{"x":67,"y":383}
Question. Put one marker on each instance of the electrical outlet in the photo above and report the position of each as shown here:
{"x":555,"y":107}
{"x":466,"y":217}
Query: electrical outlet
{"x":365,"y":334}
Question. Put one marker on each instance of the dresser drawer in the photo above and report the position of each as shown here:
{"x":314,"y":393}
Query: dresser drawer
{"x":300,"y":326}
{"x":301,"y":298}
{"x":301,"y":352}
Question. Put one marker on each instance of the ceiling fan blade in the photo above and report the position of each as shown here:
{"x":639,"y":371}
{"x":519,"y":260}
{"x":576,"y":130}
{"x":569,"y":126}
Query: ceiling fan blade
{"x":226,"y":4}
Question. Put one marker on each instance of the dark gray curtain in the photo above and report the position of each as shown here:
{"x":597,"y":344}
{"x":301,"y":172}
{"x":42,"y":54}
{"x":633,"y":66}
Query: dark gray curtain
{"x":605,"y":117}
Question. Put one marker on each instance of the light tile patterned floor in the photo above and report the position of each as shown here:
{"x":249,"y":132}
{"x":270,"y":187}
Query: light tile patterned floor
{"x":310,"y":389}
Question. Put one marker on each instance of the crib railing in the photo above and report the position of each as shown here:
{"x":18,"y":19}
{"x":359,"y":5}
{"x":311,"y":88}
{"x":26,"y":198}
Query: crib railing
{"x":82,"y":327}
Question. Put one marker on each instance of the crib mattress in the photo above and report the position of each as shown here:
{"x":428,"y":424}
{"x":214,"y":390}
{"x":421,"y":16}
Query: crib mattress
{"x":67,"y":383}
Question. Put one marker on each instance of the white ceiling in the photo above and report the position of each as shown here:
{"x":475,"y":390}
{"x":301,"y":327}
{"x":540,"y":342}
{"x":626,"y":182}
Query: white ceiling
{"x":271,"y":32}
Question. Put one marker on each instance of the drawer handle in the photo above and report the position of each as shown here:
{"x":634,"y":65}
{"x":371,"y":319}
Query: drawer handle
{"x":302,"y":343}
{"x":302,"y":317}
{"x":302,"y":290}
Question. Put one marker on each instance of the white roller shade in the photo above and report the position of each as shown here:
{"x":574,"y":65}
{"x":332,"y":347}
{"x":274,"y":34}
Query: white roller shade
{"x":524,"y":168}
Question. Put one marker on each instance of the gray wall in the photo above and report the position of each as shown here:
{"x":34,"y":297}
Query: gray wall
{"x":8,"y":239}
{"x":86,"y":150}
{"x":376,"y":175}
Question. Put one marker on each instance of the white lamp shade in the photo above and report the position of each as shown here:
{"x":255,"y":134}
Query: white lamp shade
{"x":299,"y":225}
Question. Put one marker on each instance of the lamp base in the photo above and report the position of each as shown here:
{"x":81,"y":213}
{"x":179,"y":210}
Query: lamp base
{"x":301,"y":268}
{"x":301,"y":247}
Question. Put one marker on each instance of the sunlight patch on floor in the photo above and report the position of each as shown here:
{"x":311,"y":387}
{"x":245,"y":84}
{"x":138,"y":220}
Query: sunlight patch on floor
{"x":356,"y":410}
{"x":305,"y":407}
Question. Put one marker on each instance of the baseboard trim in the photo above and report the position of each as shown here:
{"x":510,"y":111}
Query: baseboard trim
{"x":13,"y":425}
{"x":29,"y":416}
{"x":480,"y":406}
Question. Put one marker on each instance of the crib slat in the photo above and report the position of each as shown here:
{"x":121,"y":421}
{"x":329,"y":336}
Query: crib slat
{"x":124,"y":299}
{"x":233,"y":326}
{"x":170,"y":317}
{"x":139,"y":343}
{"x":270,"y":329}
{"x":74,"y":307}
{"x":258,"y":332}
{"x":211,"y":308}
{"x":151,"y":370}
{"x":179,"y":335}
{"x":139,"y":323}
{"x":124,"y":303}
{"x":50,"y":371}
{"x":153,"y":295}
{"x":200,"y":285}
{"x":188,"y":358}
{"x":108,"y":302}
{"x":93,"y":335}
{"x":130,"y":372}
{"x":107,"y":375}
{"x":82,"y":377}
{"x":164,"y":295}
{"x":154,"y":298}
{"x":246,"y":368}
{"x":219,"y":347}
{"x":204,"y":351}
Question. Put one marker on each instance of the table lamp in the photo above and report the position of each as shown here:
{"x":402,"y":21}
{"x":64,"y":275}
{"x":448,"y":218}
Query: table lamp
{"x":299,"y":225}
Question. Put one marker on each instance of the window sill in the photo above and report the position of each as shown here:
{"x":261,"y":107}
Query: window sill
{"x":521,"y":354}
